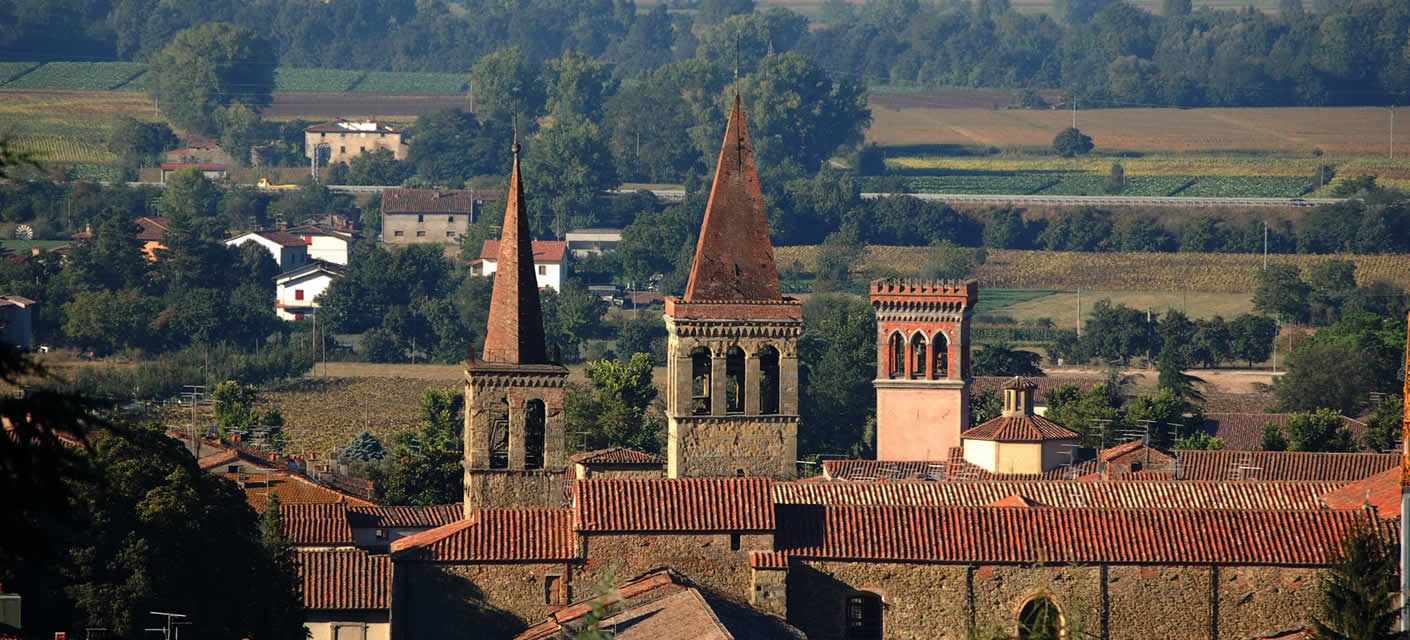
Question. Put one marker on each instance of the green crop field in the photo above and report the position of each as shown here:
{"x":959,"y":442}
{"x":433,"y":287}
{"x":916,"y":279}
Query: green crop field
{"x":991,"y":300}
{"x":1095,"y":185}
{"x":294,"y":79}
{"x":1249,"y":186}
{"x":389,"y":82}
{"x":8,"y":70}
{"x":78,"y":75}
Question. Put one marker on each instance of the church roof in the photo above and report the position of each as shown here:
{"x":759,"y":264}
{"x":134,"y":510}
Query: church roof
{"x":1024,"y":428}
{"x":734,"y":260}
{"x":676,"y":504}
{"x":1284,"y":465}
{"x":497,"y":534}
{"x":515,"y":334}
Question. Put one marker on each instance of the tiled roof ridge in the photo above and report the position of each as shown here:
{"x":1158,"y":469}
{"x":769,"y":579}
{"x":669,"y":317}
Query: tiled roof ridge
{"x":617,"y":455}
{"x":508,"y":534}
{"x":1022,"y":428}
{"x":673,"y":504}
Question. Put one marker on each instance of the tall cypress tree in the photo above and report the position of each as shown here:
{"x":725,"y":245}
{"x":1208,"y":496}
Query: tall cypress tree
{"x":1358,"y":590}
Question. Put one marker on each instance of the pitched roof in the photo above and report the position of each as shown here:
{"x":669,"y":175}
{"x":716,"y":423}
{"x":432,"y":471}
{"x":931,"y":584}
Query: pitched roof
{"x":663,"y":605}
{"x":404,"y":517}
{"x":1059,"y":536}
{"x":1164,"y":494}
{"x":153,"y":227}
{"x":502,"y":534}
{"x":1283,"y":465}
{"x":1020,"y":383}
{"x":311,"y":267}
{"x":676,"y":504}
{"x":733,"y":259}
{"x":281,"y":238}
{"x":954,"y":467}
{"x":344,"y":579}
{"x":346,"y":126}
{"x":515,"y":333}
{"x":546,"y":251}
{"x":619,"y":456}
{"x":1119,"y":450}
{"x":217,"y":459}
{"x":1381,"y":491}
{"x":316,"y":524}
{"x":395,"y":201}
{"x":292,"y":488}
{"x":1021,"y":428}
{"x":1244,"y":431}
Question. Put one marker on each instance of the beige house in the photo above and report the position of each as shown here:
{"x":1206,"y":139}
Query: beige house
{"x":414,"y":216}
{"x":348,"y":139}
{"x":1018,"y":441}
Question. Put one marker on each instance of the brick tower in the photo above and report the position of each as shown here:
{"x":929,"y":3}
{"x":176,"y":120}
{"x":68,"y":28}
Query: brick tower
{"x":732,"y":401}
{"x":922,"y":373}
{"x":514,"y":443}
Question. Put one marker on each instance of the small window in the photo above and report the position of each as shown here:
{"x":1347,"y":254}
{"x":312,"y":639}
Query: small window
{"x":298,"y":294}
{"x":420,"y":217}
{"x":543,"y":271}
{"x":1040,"y":620}
{"x":362,"y":149}
{"x":553,"y":591}
{"x":450,"y":234}
{"x":342,"y":149}
{"x":734,"y":542}
{"x":863,"y":611}
{"x":450,"y":218}
{"x":298,"y":316}
{"x":381,"y":534}
{"x":234,"y":468}
{"x":420,"y":234}
{"x":397,"y":234}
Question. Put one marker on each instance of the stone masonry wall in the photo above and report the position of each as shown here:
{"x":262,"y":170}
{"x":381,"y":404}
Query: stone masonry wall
{"x":705,"y":558}
{"x":484,"y":601}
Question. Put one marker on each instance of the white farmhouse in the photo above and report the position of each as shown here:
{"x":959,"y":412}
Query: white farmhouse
{"x":325,"y":242}
{"x":297,"y":290}
{"x":550,"y":262}
{"x":290,"y":252}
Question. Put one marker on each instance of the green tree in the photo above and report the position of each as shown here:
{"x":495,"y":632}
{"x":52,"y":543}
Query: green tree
{"x":1094,"y":414}
{"x":1383,"y":426}
{"x":948,"y":261}
{"x":795,"y":111}
{"x":567,"y":169}
{"x":613,"y":410}
{"x":1072,"y":142}
{"x":1357,"y":600}
{"x":1001,"y":359}
{"x":1199,"y":441}
{"x":429,"y":461}
{"x":1272,"y":438}
{"x":189,"y":194}
{"x":208,"y":68}
{"x":1251,"y":338}
{"x":377,"y":167}
{"x":1320,"y":430}
{"x":984,"y":406}
{"x":138,"y":143}
{"x":364,"y":447}
{"x":715,"y":11}
{"x":571,"y":316}
{"x":235,"y":407}
{"x":108,"y":321}
{"x":837,"y":362}
{"x":379,"y":345}
{"x":652,"y":241}
{"x":579,"y":85}
{"x":1281,"y":291}
{"x":449,"y":147}
{"x":1162,"y":415}
{"x":1172,"y":376}
{"x":506,"y":84}
{"x":1116,"y":179}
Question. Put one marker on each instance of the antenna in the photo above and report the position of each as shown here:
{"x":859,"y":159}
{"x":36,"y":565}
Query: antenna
{"x":736,"y":64}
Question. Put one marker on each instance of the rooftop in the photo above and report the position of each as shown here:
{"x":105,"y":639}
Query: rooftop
{"x":503,"y":534}
{"x":676,"y":504}
{"x":547,"y":251}
{"x":395,"y":201}
{"x":344,"y":579}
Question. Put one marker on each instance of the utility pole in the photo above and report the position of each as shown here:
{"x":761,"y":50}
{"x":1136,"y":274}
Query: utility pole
{"x":1079,"y":312}
{"x":1392,"y":132}
{"x":1074,"y":111}
{"x":1265,"y":246}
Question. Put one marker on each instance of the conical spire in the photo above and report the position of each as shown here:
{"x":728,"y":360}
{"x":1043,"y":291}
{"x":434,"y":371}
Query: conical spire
{"x":734,"y":259}
{"x":515,"y":332}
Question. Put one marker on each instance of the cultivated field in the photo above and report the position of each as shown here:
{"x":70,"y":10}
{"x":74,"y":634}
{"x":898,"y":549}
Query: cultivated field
{"x":1112,"y":271}
{"x":1062,"y":307}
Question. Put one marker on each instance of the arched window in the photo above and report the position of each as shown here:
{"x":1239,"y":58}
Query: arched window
{"x":940,"y":357}
{"x":918,"y":359}
{"x":863,"y":613}
{"x":1040,"y":619}
{"x":768,"y":380}
{"x":499,"y":436}
{"x":700,"y":381}
{"x":534,"y":418}
{"x":896,"y":356}
{"x":734,"y":380}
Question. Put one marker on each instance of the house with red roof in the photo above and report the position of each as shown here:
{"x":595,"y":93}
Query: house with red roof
{"x":550,"y":262}
{"x":289,"y":251}
{"x":437,"y":216}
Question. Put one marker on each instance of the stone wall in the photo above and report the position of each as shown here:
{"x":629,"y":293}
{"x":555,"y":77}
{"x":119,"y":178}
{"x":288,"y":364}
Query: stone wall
{"x":494,"y":600}
{"x":705,"y":558}
{"x":505,"y":488}
{"x":724,"y":446}
{"x":1115,"y":602}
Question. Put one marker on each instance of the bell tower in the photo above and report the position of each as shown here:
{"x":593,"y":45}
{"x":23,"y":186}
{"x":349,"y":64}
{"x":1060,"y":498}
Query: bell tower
{"x":922,"y":373}
{"x":514,"y":442}
{"x":732,"y":401}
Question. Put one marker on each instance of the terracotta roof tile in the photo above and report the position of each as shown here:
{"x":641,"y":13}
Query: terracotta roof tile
{"x":1381,"y":491}
{"x":291,"y":488}
{"x":406,"y":517}
{"x":1058,"y":536}
{"x":316,"y":524}
{"x":1013,"y":501}
{"x":1166,"y":494}
{"x":953,"y":468}
{"x":344,"y":579}
{"x":678,"y":504}
{"x":1244,"y":431}
{"x":1028,"y":428}
{"x":508,"y":534}
{"x":619,"y":455}
{"x":217,"y":459}
{"x":282,"y":238}
{"x":768,"y":560}
{"x":1283,"y":465}
{"x":1120,"y":450}
{"x":1019,"y":383}
{"x":544,"y":250}
{"x":401,"y":201}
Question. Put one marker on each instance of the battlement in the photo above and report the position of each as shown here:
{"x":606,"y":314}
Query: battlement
{"x":891,"y":287}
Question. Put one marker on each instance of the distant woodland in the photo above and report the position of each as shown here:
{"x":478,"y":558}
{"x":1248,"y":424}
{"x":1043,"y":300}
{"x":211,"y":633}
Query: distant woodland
{"x":1102,"y":52}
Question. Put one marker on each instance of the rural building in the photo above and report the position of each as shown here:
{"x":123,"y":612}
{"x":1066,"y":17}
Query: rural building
{"x":331,"y":244}
{"x":550,"y":262}
{"x":151,"y":231}
{"x":413,"y":216}
{"x":289,"y":251}
{"x":17,"y":314}
{"x":296,"y":291}
{"x":212,"y":171}
{"x":348,"y":139}
{"x":585,"y":242}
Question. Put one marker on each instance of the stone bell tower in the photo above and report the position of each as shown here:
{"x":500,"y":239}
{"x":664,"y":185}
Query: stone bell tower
{"x":514,"y":444}
{"x":732,"y":400}
{"x":922,"y":372}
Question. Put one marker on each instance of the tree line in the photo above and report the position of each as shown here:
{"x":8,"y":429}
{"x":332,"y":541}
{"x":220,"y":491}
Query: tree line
{"x":1100,"y":51}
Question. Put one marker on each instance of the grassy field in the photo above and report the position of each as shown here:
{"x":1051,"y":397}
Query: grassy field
{"x":1062,"y":307}
{"x":993,"y":300}
{"x":1172,"y":272}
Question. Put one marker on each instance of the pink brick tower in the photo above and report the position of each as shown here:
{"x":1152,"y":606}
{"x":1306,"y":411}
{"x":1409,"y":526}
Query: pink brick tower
{"x":922,"y":373}
{"x":732,"y":400}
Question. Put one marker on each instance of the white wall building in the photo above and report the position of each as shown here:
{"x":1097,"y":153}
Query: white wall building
{"x":585,"y":242}
{"x":290,"y":252}
{"x":326,"y":243}
{"x":550,"y":262}
{"x":296,"y":290}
